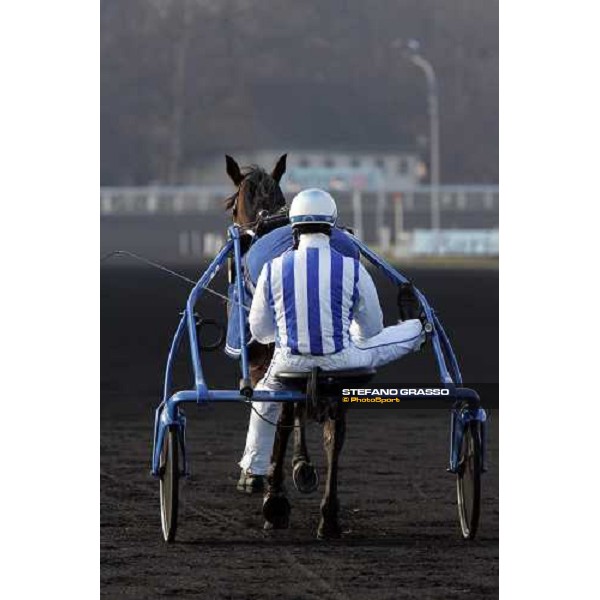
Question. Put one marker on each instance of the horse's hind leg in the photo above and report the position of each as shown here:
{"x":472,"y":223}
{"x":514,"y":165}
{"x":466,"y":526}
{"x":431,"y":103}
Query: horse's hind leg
{"x":259,"y":358}
{"x":276,"y":507}
{"x":304,"y":474}
{"x":334,"y":432}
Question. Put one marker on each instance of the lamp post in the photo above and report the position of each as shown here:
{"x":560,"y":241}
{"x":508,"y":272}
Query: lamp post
{"x":411,"y":49}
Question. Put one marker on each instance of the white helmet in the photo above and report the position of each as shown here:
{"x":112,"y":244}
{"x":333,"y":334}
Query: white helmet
{"x":313,"y":206}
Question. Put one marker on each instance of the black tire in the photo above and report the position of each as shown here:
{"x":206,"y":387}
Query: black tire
{"x":169,"y":484}
{"x":468,"y":480}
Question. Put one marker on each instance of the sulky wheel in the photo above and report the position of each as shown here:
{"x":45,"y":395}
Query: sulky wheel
{"x":468,"y":480}
{"x":169,"y":484}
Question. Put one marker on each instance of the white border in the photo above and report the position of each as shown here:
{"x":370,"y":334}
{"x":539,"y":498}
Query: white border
{"x":548,"y":331}
{"x":49,"y":53}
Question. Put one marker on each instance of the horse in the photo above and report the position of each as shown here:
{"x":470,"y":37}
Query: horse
{"x":259,"y":196}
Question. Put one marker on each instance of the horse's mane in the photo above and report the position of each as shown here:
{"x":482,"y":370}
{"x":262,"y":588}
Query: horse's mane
{"x":260,"y":183}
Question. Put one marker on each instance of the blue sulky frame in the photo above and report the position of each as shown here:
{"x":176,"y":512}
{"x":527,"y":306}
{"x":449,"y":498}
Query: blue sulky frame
{"x":465,"y":407}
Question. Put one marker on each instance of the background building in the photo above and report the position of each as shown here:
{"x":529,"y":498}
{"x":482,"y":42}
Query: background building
{"x":391,"y":169}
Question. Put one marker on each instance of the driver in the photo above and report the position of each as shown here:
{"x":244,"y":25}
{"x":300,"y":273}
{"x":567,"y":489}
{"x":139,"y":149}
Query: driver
{"x":321,"y":309}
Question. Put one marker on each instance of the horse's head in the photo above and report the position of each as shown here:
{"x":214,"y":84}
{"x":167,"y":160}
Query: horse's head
{"x":258,"y":192}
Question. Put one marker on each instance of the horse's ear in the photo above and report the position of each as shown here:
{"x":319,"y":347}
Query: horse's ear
{"x":279,"y":169}
{"x":233,"y":170}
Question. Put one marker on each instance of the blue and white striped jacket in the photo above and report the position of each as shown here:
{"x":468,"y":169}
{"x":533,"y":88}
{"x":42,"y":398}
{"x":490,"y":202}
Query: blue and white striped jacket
{"x":309,"y":299}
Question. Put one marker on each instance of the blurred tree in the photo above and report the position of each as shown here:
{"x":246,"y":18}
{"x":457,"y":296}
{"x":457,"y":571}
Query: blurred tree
{"x":185,"y":79}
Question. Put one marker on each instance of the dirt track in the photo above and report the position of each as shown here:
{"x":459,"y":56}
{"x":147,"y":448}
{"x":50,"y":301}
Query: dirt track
{"x":398,"y":504}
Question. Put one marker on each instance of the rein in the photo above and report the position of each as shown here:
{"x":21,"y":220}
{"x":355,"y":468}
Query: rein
{"x":160,"y":267}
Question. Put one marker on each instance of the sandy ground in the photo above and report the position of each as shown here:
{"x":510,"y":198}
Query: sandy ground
{"x":401,"y":539}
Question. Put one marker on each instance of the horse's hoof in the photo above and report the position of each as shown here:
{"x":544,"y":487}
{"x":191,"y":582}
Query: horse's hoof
{"x":251,"y":484}
{"x":279,"y":524}
{"x":276,"y":511}
{"x":305,"y":477}
{"x":329,"y":531}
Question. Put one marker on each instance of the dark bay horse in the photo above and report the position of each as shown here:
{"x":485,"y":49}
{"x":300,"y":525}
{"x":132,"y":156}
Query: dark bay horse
{"x":259,"y":196}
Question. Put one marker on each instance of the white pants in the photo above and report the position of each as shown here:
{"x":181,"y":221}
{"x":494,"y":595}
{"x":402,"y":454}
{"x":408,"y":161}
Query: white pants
{"x":388,"y":345}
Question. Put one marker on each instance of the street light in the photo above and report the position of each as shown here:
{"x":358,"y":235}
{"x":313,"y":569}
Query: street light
{"x":411,"y":51}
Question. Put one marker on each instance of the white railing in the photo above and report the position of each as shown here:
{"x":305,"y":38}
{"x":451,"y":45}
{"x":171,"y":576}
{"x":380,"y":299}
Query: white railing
{"x":392,"y":220}
{"x":202,"y":199}
{"x":161,"y":200}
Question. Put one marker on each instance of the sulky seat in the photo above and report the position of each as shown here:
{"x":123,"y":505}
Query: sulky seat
{"x":299,"y":379}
